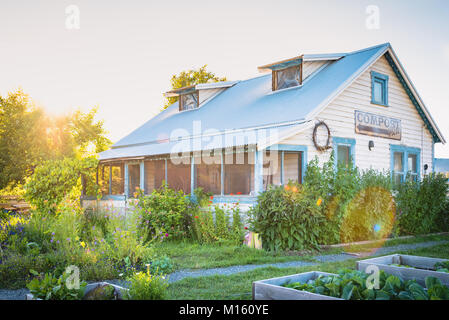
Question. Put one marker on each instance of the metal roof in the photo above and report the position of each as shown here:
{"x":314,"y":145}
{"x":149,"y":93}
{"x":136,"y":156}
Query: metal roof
{"x":247,"y":105}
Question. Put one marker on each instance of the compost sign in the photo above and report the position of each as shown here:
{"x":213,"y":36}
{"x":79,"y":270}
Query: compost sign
{"x":377,"y":125}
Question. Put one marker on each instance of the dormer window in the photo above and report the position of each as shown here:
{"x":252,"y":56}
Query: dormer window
{"x":287,"y":78}
{"x":188,"y":101}
{"x":286,"y":73}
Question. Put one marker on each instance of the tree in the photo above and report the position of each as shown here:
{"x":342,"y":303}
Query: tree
{"x":89,"y":136}
{"x":191,"y":77}
{"x":28,"y":137}
{"x":20,"y":136}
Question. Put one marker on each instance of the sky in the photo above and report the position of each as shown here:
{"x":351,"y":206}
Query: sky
{"x":120,"y":55}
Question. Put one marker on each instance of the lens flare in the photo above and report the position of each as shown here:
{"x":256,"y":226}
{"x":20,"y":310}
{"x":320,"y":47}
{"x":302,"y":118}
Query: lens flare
{"x":370,"y":215}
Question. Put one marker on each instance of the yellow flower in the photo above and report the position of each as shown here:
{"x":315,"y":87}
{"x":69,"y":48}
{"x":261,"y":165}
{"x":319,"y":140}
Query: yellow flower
{"x":319,"y":201}
{"x":82,"y":244}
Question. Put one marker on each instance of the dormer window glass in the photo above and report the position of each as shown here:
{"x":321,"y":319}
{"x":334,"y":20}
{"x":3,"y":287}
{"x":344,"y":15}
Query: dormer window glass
{"x":188,"y":101}
{"x":287,"y":78}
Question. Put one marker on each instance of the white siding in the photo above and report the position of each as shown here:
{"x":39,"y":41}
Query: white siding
{"x":206,"y":94}
{"x":311,"y":67}
{"x":339,"y":116}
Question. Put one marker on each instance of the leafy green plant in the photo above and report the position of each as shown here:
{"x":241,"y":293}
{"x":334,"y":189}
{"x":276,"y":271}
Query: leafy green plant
{"x":442,"y":266}
{"x":218,"y":224}
{"x":162,"y":265}
{"x":49,"y":287}
{"x":147,"y":286}
{"x":288,"y":218}
{"x":56,"y":180}
{"x":422,"y":205}
{"x":352,"y":285}
{"x":165,"y":213}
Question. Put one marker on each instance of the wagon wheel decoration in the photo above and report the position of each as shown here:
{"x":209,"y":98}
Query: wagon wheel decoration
{"x":321,"y":136}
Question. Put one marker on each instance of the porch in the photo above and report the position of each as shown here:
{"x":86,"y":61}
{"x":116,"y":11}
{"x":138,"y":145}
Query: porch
{"x":232,"y":175}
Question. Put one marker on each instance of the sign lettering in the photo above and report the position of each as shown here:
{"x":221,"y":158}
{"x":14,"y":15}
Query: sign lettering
{"x":377,"y":125}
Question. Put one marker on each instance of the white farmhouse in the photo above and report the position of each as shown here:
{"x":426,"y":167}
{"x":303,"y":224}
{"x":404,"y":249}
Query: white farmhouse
{"x":235,"y":138}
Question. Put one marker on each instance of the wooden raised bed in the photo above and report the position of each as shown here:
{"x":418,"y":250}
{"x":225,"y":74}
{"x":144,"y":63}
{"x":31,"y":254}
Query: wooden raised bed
{"x":91,"y":286}
{"x":271,"y":289}
{"x":421,"y":267}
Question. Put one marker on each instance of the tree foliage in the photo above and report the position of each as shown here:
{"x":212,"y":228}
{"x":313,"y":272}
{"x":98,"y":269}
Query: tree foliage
{"x":29,"y":136}
{"x":191,"y":77}
{"x":56,"y":180}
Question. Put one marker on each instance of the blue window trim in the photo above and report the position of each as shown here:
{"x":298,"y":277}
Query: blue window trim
{"x":383,"y":79}
{"x":405,"y":152}
{"x":336,"y":141}
{"x":291,"y":147}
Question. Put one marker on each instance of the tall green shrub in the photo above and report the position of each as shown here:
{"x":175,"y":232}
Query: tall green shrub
{"x":288,"y":218}
{"x":422,"y":205}
{"x":165,"y":213}
{"x":55,"y":180}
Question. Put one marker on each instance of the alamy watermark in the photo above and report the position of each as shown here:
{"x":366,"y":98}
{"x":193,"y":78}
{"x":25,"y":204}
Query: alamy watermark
{"x":72,"y":20}
{"x":372,"y":21}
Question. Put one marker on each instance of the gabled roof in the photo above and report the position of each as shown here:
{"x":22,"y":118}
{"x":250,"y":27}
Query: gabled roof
{"x":251,"y":104}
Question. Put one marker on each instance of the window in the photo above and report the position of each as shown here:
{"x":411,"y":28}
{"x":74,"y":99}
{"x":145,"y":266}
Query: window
{"x":398,"y":168}
{"x":188,"y":101}
{"x":379,"y":88}
{"x":178,"y":176}
{"x":412,"y":167}
{"x":272,"y":168}
{"x":103,"y":178}
{"x":286,"y":78}
{"x":118,"y":179}
{"x":405,"y":163}
{"x":208,"y":173}
{"x":292,"y":167}
{"x":239,"y":173}
{"x":343,"y":155}
{"x":282,"y":166}
{"x":154,"y":175}
{"x":133,"y":179}
{"x":344,"y":151}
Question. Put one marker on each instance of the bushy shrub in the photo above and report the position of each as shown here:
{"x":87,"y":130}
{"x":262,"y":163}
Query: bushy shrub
{"x":165,"y":213}
{"x":147,"y":286}
{"x":343,"y":190}
{"x":56,"y":180}
{"x":422,"y":205}
{"x":218,"y":224}
{"x":370,"y":215}
{"x":288,"y":218}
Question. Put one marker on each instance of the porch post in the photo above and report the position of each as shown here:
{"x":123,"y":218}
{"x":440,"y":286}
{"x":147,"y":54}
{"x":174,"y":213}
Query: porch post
{"x":192,"y":174}
{"x":142,"y":176}
{"x":126,"y":181}
{"x":258,"y":172}
{"x":222,"y":176}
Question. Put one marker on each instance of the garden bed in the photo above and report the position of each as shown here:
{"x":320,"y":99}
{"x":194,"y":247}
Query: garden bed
{"x":271,"y":289}
{"x":408,"y":267}
{"x":97,"y":291}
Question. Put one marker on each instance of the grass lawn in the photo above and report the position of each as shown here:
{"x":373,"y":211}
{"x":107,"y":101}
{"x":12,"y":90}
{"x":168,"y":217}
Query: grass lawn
{"x":190,"y":255}
{"x":238,"y":286}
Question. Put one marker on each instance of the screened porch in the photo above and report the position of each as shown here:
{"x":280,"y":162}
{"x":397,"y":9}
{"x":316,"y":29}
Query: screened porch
{"x":240,"y":172}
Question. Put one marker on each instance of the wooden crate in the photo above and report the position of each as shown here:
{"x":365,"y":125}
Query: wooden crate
{"x":271,"y":289}
{"x":425,"y":265}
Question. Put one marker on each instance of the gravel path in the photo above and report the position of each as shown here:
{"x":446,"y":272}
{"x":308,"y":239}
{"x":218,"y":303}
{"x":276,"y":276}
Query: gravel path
{"x":182,"y":274}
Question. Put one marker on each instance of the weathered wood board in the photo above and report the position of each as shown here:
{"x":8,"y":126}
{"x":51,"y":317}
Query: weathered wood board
{"x":270,"y":289}
{"x":425,"y":264}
